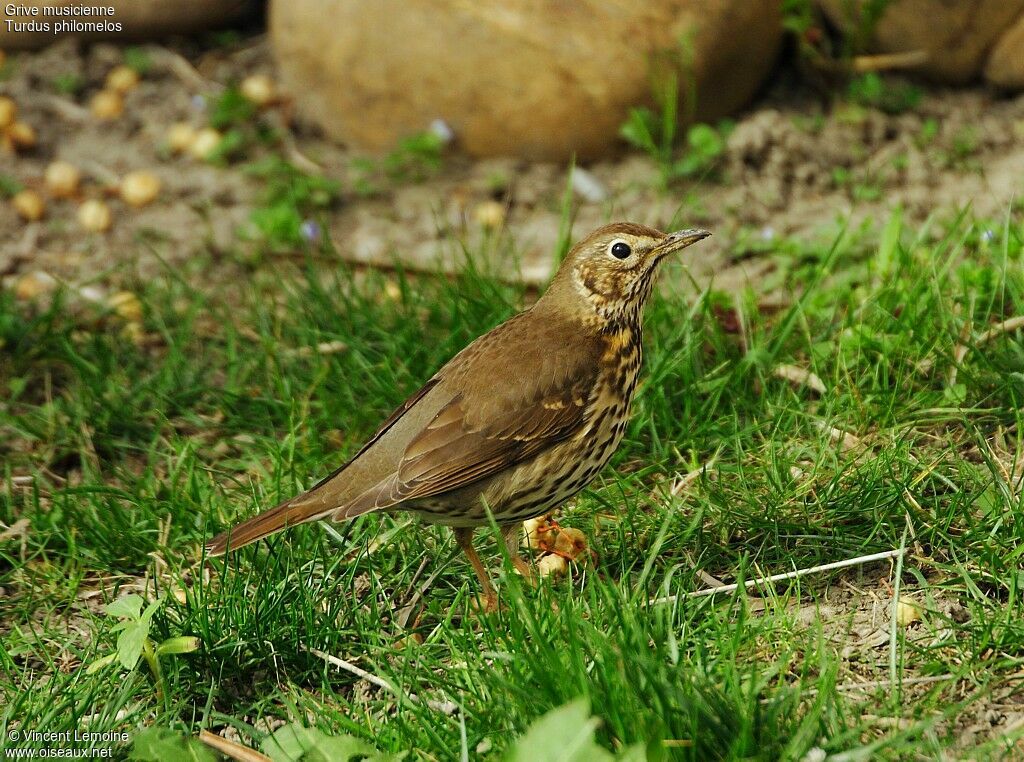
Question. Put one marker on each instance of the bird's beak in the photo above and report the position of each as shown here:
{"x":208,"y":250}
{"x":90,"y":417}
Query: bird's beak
{"x":680,"y":240}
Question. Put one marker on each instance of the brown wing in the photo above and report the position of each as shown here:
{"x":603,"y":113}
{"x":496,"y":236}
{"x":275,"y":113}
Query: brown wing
{"x":517,"y":395}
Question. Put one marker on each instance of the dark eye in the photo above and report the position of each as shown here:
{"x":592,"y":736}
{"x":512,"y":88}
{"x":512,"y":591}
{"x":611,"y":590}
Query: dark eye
{"x":621,"y":250}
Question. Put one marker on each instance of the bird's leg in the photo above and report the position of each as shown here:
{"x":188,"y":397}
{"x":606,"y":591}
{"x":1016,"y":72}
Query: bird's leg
{"x":464,"y":536}
{"x":511,"y":534}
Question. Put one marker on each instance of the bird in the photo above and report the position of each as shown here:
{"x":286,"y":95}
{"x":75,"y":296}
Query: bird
{"x":516,"y":423}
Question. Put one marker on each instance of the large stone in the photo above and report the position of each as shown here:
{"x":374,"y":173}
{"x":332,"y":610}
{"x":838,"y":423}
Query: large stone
{"x":1005,"y":67}
{"x":138,"y":19}
{"x":956,"y":34}
{"x":542,"y":79}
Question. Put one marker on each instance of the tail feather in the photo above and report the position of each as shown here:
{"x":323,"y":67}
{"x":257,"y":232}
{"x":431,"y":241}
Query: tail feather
{"x":288,"y":514}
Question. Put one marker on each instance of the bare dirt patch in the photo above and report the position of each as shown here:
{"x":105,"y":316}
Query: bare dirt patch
{"x":792,"y":168}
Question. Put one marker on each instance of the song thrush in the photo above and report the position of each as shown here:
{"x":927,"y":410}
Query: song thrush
{"x":517,"y":422}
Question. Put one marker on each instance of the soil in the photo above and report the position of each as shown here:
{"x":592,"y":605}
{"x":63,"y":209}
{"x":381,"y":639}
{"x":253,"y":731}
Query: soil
{"x":793,"y":167}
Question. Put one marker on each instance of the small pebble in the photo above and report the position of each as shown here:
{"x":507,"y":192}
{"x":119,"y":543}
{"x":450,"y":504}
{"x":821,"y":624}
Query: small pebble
{"x":441,"y":129}
{"x":310,"y":231}
{"x":588,"y":186}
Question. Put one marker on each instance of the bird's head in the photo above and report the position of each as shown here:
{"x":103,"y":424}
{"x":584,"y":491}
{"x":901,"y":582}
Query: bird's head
{"x":612,"y":270}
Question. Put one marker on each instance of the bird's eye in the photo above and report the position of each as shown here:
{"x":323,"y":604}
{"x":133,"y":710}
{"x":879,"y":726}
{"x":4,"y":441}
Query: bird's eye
{"x":620,"y":250}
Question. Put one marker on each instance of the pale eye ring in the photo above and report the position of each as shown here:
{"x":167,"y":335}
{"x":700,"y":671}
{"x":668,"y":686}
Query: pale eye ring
{"x":620,"y":249}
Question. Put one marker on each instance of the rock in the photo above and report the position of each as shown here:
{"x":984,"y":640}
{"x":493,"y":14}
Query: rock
{"x":138,"y":19}
{"x":1005,"y":67}
{"x":540,"y":79}
{"x":956,"y":34}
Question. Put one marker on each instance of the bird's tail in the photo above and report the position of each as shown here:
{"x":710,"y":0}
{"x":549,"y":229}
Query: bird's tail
{"x":298,"y":510}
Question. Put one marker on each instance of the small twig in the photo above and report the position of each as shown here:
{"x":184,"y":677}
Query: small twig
{"x":185,"y":71}
{"x":884,"y":61}
{"x":101,"y":173}
{"x":445,"y":707}
{"x":291,"y":148}
{"x":323,"y":348}
{"x":682,"y":482}
{"x":959,"y":353}
{"x":800,"y":377}
{"x":1008,"y":325}
{"x":406,"y":612}
{"x":872,"y":685}
{"x":780,"y":577}
{"x":66,"y":109}
{"x":894,"y":623}
{"x":18,"y":529}
{"x":846,"y":440}
{"x":231,"y":749}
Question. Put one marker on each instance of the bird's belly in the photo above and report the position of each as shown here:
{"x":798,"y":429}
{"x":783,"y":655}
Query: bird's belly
{"x":539,"y":485}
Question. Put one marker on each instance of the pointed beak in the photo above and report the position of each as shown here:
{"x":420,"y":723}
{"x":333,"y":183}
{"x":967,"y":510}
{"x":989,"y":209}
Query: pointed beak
{"x":680,"y":240}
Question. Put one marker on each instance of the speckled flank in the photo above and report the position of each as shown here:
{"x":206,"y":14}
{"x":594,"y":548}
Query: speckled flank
{"x":556,"y":475}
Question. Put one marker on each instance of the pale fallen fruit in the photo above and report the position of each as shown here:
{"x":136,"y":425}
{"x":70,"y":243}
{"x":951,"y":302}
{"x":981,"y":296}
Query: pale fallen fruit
{"x":205,"y":143}
{"x":21,"y":135}
{"x":126,"y":305}
{"x":180,"y":137}
{"x":140,"y":188}
{"x":489,"y":214}
{"x":8,"y":111}
{"x":34,"y":284}
{"x":538,"y":533}
{"x":552,"y":565}
{"x":570,"y":543}
{"x":62,"y":179}
{"x":107,"y":105}
{"x":134,"y":333}
{"x":908,"y":611}
{"x":260,"y":89}
{"x":29,"y":205}
{"x":94,"y":216}
{"x":121,"y":79}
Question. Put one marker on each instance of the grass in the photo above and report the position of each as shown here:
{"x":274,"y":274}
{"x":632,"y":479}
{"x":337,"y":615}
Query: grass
{"x":123,"y":450}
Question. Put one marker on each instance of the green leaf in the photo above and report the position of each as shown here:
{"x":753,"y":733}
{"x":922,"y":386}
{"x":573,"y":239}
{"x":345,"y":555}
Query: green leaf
{"x":231,"y":109}
{"x":565,"y":734}
{"x":294,"y":742}
{"x":151,"y":609}
{"x":185,"y":644}
{"x":639,"y":129}
{"x":130,"y":643}
{"x":125,"y":608}
{"x":165,"y":745}
{"x":100,"y":663}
